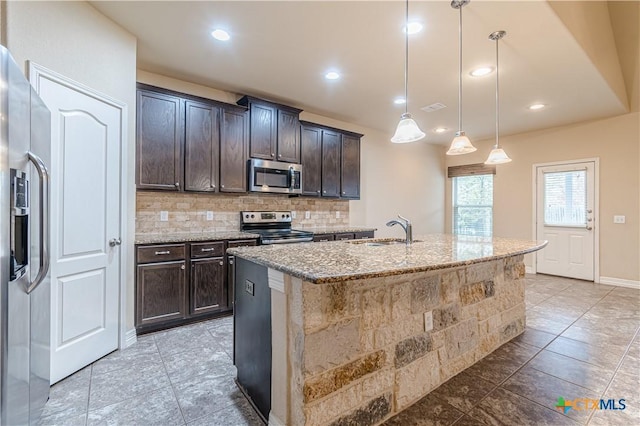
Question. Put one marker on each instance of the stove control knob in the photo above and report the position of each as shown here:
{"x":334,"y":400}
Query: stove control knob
{"x":287,"y":215}
{"x":246,"y":216}
{"x":283,"y":216}
{"x":252,"y":216}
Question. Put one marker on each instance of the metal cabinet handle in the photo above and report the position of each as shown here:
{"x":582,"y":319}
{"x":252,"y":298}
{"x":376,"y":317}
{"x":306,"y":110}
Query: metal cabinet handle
{"x":221,"y":186}
{"x":230,"y":261}
{"x":43,"y":187}
{"x":343,"y":192}
{"x":221,"y":263}
{"x":324,"y":192}
{"x":158,"y":253}
{"x":182,"y":267}
{"x":207,"y":249}
{"x":177,"y":184}
{"x":213,"y":186}
{"x":115,"y":242}
{"x":318,"y":191}
{"x":273,"y":154}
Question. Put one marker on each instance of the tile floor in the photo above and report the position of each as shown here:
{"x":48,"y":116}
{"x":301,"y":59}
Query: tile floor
{"x":581,"y":341}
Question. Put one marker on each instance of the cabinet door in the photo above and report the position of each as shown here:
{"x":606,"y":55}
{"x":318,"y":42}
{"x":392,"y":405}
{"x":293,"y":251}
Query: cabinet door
{"x":330,"y":163}
{"x":233,"y":151}
{"x":288,"y":136}
{"x":263,"y":132}
{"x":208,"y":290}
{"x":311,"y":154}
{"x":201,"y":146}
{"x":350,"y":167}
{"x":160,"y":292}
{"x":158,"y":141}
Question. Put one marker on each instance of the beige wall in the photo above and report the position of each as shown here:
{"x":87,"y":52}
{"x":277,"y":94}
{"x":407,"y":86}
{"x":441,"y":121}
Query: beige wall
{"x":615,"y":141}
{"x":405,"y":179}
{"x":75,"y":40}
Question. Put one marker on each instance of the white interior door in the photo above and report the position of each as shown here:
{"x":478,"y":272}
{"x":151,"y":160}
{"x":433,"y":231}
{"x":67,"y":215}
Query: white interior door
{"x":85,"y":216}
{"x":565,"y":217}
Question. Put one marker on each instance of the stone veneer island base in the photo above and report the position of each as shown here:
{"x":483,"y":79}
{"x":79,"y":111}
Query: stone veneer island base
{"x":360,"y":332}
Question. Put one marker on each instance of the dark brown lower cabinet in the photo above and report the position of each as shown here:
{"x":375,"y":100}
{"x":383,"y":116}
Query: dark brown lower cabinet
{"x":208,"y":289}
{"x":181,"y":283}
{"x":345,"y":236}
{"x":320,"y":238}
{"x":160,"y":292}
{"x":364,"y":235}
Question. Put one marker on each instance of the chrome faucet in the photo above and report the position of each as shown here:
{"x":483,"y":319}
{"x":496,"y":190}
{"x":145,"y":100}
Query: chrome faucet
{"x":406,"y":226}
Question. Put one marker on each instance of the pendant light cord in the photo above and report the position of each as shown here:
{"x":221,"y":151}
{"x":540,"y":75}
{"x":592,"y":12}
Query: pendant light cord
{"x":497,"y":96}
{"x":406,"y":57}
{"x":460,"y":78}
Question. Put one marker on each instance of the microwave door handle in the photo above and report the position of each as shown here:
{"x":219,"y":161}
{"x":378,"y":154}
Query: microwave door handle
{"x":291,"y":177}
{"x":43,"y":174}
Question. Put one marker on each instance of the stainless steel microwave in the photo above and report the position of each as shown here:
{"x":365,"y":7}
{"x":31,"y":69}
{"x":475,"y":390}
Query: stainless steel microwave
{"x":275,"y":176}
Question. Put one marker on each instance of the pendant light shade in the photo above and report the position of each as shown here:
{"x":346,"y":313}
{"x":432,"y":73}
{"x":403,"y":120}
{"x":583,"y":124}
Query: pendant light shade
{"x":461,"y":143}
{"x":407,"y":130}
{"x":497,"y":154}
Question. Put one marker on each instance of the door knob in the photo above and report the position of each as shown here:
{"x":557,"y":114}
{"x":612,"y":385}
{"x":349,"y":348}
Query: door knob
{"x":115,"y":242}
{"x":589,"y":228}
{"x":589,"y":211}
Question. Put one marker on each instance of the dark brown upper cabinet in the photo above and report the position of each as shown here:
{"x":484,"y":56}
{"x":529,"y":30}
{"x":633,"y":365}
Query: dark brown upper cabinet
{"x":201,"y":146}
{"x":159,"y":141}
{"x":233,"y":150}
{"x":311,"y":153}
{"x":274,"y":130}
{"x":330,"y":163}
{"x":350,"y":167}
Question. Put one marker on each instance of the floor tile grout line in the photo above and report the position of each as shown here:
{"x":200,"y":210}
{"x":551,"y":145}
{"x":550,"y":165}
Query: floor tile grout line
{"x":499,"y":385}
{"x":616,"y":370}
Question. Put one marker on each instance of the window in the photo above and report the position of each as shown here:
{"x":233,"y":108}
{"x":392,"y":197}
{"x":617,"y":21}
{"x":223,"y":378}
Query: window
{"x":565,"y":198}
{"x":473,"y":205}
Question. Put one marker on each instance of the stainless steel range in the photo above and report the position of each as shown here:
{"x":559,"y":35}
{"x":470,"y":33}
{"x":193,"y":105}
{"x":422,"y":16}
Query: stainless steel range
{"x":273,"y":227}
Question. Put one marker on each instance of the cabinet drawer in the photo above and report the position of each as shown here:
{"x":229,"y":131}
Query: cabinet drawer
{"x":345,"y":236}
{"x":161,"y":253}
{"x":319,"y":238}
{"x":207,"y":249}
{"x":364,"y":234}
{"x":242,"y":243}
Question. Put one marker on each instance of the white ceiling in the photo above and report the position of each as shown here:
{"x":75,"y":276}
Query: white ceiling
{"x":280,"y":50}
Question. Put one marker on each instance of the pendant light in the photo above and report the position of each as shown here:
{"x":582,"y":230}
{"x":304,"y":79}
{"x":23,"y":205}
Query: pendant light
{"x":497,"y":155}
{"x":407,"y":130}
{"x":461,"y":143}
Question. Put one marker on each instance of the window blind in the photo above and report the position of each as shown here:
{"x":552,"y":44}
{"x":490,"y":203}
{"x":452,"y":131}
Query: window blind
{"x":471,"y":170}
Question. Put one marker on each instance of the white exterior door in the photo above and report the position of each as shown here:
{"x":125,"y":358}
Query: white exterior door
{"x":565,"y":217}
{"x":85,"y":216}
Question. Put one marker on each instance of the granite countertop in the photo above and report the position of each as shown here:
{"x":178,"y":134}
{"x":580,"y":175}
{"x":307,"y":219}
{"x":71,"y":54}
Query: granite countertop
{"x":193,"y":236}
{"x":335,"y":229}
{"x":342,"y":260}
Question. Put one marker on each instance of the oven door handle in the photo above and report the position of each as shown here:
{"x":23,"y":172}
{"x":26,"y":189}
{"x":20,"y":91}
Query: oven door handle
{"x":292,"y":174}
{"x":43,"y":187}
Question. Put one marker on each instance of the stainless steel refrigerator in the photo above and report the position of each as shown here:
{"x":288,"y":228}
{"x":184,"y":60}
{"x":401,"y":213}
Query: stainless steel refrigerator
{"x":25,"y":144}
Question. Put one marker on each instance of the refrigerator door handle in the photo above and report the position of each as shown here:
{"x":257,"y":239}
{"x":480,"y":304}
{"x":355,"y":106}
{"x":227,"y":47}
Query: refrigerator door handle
{"x":43,"y":173}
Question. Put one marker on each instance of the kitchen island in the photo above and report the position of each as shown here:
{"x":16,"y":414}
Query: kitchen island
{"x":360,"y":330}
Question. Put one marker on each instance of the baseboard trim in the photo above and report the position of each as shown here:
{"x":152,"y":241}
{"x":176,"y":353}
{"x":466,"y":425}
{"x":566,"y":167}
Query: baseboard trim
{"x":620,"y":282}
{"x":275,"y":421}
{"x":130,"y":338}
{"x":529,"y":270}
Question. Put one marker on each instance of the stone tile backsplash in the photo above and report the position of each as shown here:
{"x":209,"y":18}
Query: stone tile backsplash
{"x":188,"y":212}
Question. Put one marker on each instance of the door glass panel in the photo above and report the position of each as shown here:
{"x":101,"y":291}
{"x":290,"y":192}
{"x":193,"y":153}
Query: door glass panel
{"x":565,"y":198}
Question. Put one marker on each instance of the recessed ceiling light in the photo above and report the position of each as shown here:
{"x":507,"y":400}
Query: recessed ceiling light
{"x":221,"y":35}
{"x":479,"y":72}
{"x":536,"y":106}
{"x":440,"y":129}
{"x":332,"y":75}
{"x":399,"y":101}
{"x":413,"y":27}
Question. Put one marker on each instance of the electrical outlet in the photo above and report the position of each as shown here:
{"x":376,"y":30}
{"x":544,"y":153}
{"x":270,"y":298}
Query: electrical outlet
{"x":337,"y":215}
{"x":307,"y":215}
{"x":293,"y":214}
{"x":619,"y":219}
{"x":249,"y":287}
{"x":209,"y":215}
{"x":164,"y":216}
{"x":428,"y":321}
